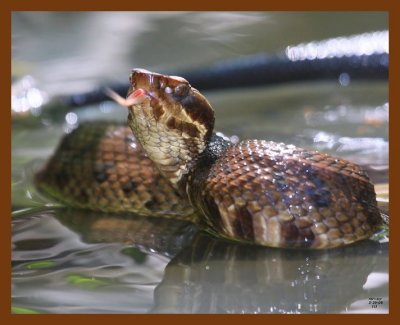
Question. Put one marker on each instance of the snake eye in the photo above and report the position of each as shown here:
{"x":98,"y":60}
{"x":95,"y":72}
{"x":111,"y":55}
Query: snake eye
{"x":181,"y":90}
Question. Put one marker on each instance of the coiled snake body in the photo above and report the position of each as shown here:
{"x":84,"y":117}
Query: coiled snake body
{"x":255,"y":191}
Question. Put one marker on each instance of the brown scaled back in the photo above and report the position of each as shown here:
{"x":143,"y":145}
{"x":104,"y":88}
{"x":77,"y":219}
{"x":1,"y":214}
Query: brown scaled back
{"x":282,"y":196}
{"x":101,"y":167}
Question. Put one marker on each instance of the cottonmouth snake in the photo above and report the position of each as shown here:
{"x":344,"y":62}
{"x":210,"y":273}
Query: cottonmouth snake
{"x":268,"y":193}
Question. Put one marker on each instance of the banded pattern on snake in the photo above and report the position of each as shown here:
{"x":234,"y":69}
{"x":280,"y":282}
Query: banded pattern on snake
{"x":255,"y":191}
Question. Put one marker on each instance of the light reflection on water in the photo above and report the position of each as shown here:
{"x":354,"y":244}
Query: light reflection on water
{"x":69,"y":268}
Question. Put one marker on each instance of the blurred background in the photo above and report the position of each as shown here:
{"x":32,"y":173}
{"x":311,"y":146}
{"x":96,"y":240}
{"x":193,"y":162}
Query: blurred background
{"x":57,"y":54}
{"x":76,"y":51}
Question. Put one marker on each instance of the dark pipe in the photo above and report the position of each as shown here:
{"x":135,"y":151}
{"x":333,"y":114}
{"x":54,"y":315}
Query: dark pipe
{"x":266,"y":69}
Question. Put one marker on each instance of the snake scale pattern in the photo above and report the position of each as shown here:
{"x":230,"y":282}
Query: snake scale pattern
{"x":173,"y":165}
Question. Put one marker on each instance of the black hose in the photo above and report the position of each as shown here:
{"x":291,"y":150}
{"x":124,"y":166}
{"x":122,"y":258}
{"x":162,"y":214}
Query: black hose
{"x":266,"y":69}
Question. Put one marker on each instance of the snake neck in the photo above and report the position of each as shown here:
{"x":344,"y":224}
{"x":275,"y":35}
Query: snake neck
{"x":192,"y":185}
{"x":174,"y":154}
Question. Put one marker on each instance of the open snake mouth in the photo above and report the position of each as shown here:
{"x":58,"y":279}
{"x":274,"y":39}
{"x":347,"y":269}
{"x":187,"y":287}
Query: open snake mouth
{"x":134,"y":97}
{"x":155,"y":87}
{"x":137,"y":97}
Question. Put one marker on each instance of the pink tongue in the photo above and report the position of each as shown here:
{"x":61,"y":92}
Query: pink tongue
{"x":137,"y":97}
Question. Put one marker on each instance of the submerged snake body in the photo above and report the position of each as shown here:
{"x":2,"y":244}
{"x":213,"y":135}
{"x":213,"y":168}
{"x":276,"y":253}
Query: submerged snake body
{"x":256,"y":191}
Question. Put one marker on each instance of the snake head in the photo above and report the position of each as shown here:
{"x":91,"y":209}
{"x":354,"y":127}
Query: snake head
{"x":171,"y":96}
{"x":172,"y":120}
